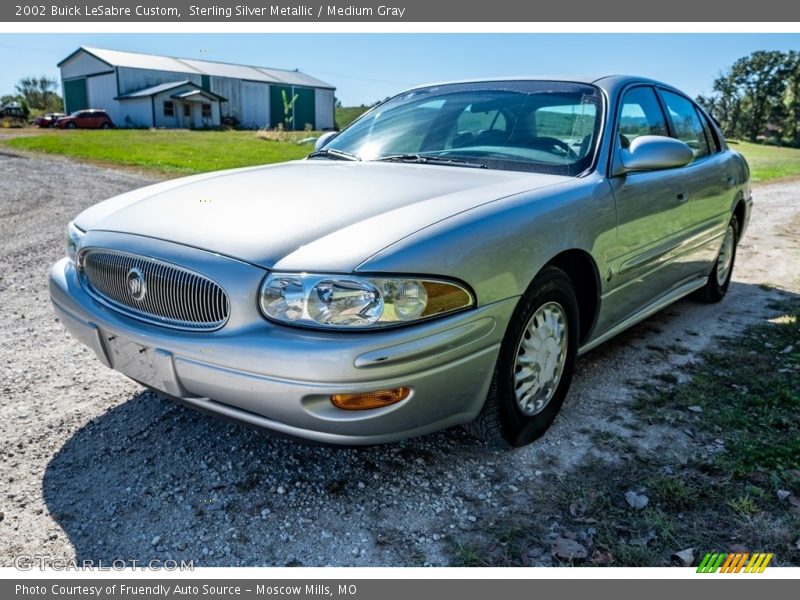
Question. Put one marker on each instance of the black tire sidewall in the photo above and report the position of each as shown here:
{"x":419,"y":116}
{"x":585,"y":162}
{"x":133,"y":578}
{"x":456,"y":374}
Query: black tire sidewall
{"x":552,"y":285}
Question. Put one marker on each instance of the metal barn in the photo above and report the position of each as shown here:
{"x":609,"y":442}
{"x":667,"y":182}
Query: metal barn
{"x":145,"y":90}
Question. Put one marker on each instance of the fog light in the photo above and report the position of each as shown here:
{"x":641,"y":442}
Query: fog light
{"x":368,"y":400}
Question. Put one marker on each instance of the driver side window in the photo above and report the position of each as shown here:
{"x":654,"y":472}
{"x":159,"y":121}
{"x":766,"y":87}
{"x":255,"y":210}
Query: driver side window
{"x":640,"y":114}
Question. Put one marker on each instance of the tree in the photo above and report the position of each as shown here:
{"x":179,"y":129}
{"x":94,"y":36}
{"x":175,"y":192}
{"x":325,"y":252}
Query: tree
{"x":759,"y":94}
{"x":11,"y":99}
{"x":792,"y":122}
{"x":761,"y":78}
{"x":40,"y":93}
{"x":728,"y":105}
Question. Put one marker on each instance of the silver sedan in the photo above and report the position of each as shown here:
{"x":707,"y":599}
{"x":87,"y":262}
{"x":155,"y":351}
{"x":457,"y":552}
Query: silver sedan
{"x":442,"y":261}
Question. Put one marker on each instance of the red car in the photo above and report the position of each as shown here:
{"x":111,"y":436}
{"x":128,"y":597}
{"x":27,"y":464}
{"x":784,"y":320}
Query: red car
{"x":86,"y":119}
{"x":48,"y":120}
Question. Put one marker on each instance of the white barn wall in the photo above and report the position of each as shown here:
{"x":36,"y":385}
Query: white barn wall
{"x":83,"y":64}
{"x":131,"y":80}
{"x":254,"y":104}
{"x":323,"y":108}
{"x":138,"y":110}
{"x":229,"y":89}
{"x":176,"y":120}
{"x":101,"y":91}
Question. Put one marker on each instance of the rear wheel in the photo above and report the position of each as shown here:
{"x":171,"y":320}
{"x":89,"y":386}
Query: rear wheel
{"x":719,"y":280}
{"x":105,"y":126}
{"x":535,"y":365}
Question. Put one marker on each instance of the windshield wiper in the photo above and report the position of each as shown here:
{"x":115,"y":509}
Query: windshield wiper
{"x":332,"y":153}
{"x":422,"y":159}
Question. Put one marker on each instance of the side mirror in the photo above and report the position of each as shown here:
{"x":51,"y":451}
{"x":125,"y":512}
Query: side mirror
{"x":653,"y":152}
{"x":324,"y":139}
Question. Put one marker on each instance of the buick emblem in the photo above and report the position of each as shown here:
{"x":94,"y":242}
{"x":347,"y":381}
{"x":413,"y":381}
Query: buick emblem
{"x":136,"y":284}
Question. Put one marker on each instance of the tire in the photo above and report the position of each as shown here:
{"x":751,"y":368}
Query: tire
{"x":547,"y":317}
{"x":105,"y":126}
{"x":70,"y":125}
{"x":719,"y":279}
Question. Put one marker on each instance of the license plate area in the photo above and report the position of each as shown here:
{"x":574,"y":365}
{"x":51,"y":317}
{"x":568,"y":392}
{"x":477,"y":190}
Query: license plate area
{"x":153,"y":367}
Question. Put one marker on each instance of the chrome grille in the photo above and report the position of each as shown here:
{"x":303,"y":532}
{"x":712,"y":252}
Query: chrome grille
{"x":173,"y":297}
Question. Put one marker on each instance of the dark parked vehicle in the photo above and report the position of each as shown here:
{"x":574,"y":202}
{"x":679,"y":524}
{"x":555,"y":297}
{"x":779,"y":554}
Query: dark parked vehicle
{"x":12,"y":115}
{"x":48,"y":119}
{"x":86,"y":119}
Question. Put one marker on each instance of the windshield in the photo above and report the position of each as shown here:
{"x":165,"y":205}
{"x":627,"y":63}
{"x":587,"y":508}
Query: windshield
{"x":537,"y":126}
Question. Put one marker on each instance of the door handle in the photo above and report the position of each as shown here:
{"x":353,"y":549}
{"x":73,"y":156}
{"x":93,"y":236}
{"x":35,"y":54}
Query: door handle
{"x":683,"y":197}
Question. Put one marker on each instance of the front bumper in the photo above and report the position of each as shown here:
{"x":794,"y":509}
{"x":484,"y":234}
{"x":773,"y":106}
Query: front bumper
{"x":281,"y":378}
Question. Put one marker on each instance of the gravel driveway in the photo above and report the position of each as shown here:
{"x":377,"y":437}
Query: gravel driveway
{"x":94,"y":467}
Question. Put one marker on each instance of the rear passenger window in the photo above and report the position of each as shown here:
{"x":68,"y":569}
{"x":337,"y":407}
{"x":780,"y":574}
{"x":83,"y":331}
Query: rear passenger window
{"x":686,"y":123}
{"x":640,"y":114}
{"x":713,"y":141}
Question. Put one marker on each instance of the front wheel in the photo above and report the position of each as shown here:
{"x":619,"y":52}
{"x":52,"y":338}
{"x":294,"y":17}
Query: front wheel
{"x":70,"y":125}
{"x":719,"y":280}
{"x":535,"y":365}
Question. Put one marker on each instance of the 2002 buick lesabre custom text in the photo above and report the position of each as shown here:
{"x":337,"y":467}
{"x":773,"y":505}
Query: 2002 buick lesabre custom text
{"x":441,"y":261}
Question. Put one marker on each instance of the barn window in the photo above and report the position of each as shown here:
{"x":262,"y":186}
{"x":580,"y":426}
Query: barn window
{"x":169,"y":108}
{"x":187,"y":109}
{"x":206,"y":110}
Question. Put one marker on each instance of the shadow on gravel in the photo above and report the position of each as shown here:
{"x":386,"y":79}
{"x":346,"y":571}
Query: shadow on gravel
{"x":151,"y":479}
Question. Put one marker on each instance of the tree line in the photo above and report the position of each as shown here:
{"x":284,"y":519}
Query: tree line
{"x":35,"y":94}
{"x":758,"y":98}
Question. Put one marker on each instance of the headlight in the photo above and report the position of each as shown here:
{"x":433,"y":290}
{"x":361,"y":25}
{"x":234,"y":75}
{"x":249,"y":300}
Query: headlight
{"x":74,"y":238}
{"x":341,"y":301}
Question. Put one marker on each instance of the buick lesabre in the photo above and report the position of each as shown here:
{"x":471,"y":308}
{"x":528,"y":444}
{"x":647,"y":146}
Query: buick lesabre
{"x":442,"y":261}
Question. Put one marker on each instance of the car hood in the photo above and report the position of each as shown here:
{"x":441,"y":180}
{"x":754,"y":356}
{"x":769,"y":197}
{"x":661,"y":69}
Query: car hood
{"x":306,"y":215}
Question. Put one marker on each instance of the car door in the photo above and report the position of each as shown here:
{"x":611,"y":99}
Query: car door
{"x":710,"y":180}
{"x":653,"y":214}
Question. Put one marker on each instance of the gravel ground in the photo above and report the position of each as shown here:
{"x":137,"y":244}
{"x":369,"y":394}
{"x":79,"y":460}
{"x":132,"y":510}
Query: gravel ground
{"x":94,"y":467}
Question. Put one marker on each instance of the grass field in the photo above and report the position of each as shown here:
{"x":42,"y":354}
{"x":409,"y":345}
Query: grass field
{"x":769,"y":162}
{"x":168,"y":151}
{"x":181,"y":151}
{"x":347,"y":114}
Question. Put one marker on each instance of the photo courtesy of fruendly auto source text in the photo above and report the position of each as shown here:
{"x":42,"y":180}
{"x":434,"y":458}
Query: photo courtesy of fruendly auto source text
{"x":390,"y":299}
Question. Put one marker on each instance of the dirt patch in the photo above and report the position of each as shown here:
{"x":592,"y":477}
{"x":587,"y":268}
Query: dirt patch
{"x":93,"y":467}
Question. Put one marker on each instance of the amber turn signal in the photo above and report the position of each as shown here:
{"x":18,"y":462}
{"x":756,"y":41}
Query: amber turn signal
{"x":369,"y":400}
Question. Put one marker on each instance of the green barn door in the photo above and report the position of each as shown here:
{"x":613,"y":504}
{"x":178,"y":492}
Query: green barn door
{"x":75,"y":96}
{"x":304,"y":108}
{"x":276,"y":115}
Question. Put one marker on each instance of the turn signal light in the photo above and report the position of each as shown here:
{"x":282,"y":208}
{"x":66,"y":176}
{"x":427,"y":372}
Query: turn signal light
{"x":369,"y":400}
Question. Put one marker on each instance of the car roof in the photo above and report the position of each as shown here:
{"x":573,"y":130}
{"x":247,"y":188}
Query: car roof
{"x":608,"y":83}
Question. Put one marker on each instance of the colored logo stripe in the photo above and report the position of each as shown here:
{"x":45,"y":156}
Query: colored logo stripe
{"x":734,"y":563}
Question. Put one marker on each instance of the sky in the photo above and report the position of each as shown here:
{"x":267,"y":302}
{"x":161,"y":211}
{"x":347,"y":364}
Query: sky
{"x":369,"y":67}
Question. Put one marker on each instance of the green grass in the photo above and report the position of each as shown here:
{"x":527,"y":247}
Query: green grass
{"x":347,"y":114}
{"x":185,"y":152}
{"x":769,"y":162}
{"x":751,"y":394}
{"x":168,"y":151}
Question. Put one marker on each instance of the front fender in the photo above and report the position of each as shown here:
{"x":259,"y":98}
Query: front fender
{"x":497,"y":249}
